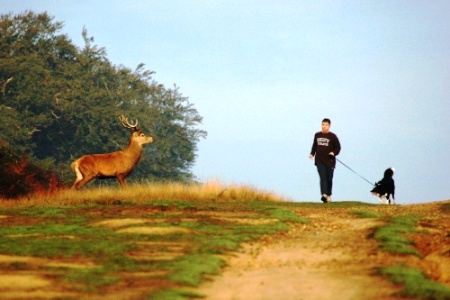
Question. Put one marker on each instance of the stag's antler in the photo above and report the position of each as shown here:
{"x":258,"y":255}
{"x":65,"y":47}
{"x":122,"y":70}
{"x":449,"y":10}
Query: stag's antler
{"x":124,"y":121}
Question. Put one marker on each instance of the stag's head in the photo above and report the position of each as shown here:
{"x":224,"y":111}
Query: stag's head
{"x":138,"y":136}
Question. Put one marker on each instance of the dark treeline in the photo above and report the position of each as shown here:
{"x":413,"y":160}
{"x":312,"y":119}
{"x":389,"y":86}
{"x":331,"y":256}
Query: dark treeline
{"x":59,"y":101}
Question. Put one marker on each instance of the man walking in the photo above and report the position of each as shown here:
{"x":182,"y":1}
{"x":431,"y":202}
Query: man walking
{"x":325,"y":147}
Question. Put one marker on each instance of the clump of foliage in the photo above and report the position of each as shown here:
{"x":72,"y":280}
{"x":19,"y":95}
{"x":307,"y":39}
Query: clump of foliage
{"x":20,"y":177}
{"x":59,"y":101}
{"x":415,"y":283}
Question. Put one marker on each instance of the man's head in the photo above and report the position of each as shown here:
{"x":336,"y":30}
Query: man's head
{"x":326,"y":123}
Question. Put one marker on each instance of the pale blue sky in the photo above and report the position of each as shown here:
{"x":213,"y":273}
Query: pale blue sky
{"x":263,"y":74}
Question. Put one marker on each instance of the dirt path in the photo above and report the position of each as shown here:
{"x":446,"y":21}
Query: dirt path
{"x":323,"y":260}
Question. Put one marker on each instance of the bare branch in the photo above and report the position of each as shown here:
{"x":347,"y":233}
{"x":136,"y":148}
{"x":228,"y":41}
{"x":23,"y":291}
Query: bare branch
{"x":33,"y":131}
{"x":56,"y":97}
{"x":6,"y":83}
{"x":53,"y":113}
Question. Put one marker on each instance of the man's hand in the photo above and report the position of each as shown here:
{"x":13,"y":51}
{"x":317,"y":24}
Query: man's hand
{"x":331,"y":156}
{"x":311,"y":156}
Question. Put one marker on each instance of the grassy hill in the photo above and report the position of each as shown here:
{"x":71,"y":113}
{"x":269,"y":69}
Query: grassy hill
{"x":161,"y":241}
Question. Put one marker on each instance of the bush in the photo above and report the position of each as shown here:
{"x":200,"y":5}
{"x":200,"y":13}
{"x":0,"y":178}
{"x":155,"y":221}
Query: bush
{"x":19,"y":176}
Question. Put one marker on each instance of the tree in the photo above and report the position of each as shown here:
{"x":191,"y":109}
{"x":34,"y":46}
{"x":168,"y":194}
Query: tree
{"x":59,"y":102}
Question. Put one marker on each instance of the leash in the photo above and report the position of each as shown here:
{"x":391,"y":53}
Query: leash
{"x":353,"y":171}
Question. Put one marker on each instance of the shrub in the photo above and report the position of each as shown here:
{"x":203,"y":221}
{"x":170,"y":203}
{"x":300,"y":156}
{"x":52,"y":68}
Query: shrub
{"x":19,"y":176}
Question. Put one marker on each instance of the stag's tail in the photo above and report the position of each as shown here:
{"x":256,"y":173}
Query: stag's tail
{"x":75,"y":167}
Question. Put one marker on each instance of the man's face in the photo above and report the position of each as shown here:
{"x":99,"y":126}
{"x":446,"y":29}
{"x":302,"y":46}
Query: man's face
{"x":325,"y":127}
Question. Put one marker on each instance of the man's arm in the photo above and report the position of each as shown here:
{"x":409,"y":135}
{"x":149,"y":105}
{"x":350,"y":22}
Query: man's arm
{"x":313,"y":148}
{"x":337,"y":146}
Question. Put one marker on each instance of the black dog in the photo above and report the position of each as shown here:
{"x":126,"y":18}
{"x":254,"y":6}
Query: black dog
{"x":385,"y":187}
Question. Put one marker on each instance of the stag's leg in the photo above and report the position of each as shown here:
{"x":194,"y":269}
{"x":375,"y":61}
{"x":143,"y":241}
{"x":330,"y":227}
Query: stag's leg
{"x":85,"y":179}
{"x":75,"y":184}
{"x":121,"y":179}
{"x":78,"y":185}
{"x":78,"y":177}
{"x":82,"y":178}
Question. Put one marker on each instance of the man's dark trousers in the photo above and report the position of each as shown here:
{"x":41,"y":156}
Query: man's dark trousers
{"x":326,"y":179}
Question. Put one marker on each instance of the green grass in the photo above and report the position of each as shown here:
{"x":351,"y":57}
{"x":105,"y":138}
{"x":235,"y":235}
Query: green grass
{"x":445,"y":207}
{"x":347,"y":204}
{"x":392,"y":239}
{"x":285,"y":215}
{"x":367,"y":214}
{"x":190,"y":269}
{"x":91,"y":279}
{"x":66,"y":232}
{"x":173,"y":294}
{"x":61,"y":240}
{"x":391,"y":236}
{"x":415,"y":283}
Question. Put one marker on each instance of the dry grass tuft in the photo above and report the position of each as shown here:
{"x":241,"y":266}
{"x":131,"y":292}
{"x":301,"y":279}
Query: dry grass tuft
{"x":144,"y":193}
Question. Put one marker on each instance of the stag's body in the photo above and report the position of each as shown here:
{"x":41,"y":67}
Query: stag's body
{"x":117,"y":164}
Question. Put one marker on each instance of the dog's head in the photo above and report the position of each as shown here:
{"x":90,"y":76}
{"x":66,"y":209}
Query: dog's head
{"x":389,"y":173}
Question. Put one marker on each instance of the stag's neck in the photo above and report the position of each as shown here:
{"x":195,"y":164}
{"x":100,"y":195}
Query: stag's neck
{"x":134,"y":150}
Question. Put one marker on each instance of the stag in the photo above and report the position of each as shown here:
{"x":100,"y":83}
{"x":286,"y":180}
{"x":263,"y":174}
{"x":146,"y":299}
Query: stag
{"x":117,"y":164}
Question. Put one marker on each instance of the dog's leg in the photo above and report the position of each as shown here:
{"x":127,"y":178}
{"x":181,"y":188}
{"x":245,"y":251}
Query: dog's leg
{"x":380,"y":199}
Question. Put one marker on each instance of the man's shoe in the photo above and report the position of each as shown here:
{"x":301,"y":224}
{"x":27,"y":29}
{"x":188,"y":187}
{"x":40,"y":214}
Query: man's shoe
{"x":324,"y":198}
{"x":328,"y":199}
